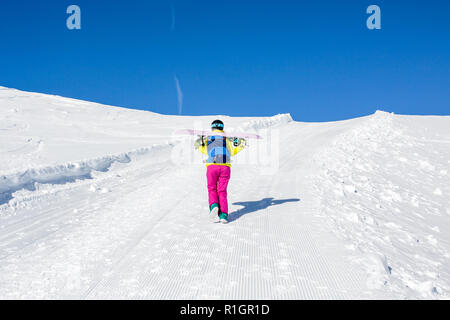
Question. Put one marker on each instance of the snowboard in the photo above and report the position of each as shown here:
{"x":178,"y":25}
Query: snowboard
{"x":205,"y":133}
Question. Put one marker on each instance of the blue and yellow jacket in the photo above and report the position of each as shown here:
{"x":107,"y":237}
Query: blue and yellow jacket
{"x":219,"y":150}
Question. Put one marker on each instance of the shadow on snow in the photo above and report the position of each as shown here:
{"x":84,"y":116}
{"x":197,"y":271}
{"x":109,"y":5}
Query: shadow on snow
{"x":253,"y":206}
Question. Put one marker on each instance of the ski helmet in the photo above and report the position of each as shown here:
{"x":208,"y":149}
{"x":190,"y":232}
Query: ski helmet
{"x":217,"y":124}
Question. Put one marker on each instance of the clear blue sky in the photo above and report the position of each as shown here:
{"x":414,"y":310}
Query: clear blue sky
{"x":314,"y":59}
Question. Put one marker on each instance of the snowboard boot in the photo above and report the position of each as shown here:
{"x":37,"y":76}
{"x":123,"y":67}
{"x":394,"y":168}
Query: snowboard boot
{"x":214,"y":212}
{"x":223,"y":217}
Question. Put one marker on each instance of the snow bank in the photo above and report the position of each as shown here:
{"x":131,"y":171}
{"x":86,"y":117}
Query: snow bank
{"x":68,"y":172}
{"x":383,"y":187}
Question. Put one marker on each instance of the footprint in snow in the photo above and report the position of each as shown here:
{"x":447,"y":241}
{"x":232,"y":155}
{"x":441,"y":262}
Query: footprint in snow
{"x":94,"y":188}
{"x":432,"y":240}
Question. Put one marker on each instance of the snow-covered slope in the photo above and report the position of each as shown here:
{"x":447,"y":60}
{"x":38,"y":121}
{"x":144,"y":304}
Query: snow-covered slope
{"x":384,"y":186}
{"x":105,"y":202}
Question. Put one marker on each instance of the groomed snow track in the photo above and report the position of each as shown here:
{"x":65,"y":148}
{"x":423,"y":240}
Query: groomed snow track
{"x":138,"y":230}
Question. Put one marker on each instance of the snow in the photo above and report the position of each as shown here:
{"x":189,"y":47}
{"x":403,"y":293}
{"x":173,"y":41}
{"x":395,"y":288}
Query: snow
{"x":102,"y":202}
{"x":396,"y":163}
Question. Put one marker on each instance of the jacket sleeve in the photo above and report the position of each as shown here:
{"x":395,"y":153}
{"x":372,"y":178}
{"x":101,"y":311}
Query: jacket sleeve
{"x":198,"y":145}
{"x":203,"y":149}
{"x":235,"y":150}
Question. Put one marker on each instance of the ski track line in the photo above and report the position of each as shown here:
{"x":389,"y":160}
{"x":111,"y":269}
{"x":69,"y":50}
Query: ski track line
{"x":291,"y":254}
{"x":127,"y":248}
{"x":110,"y":283}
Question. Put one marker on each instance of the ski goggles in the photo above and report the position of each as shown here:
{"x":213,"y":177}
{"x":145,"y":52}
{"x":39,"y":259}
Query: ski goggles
{"x":217,"y":126}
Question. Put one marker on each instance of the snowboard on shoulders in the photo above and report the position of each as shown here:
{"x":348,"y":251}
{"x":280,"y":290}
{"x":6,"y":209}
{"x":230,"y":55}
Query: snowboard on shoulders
{"x":205,"y":133}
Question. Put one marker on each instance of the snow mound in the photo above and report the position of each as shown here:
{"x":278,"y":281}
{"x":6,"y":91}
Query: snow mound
{"x":381,"y":187}
{"x":67,"y":172}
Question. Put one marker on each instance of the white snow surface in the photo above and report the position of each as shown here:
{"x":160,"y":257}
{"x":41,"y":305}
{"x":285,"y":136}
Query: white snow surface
{"x":97,"y":202}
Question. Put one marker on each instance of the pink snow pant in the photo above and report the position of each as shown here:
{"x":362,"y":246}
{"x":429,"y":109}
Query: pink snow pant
{"x":218,"y":177}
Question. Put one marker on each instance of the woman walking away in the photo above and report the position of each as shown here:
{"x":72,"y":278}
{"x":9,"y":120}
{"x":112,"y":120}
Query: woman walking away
{"x":219,"y":150}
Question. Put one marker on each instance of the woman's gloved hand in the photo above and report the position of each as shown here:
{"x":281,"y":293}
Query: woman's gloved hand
{"x":238,"y":141}
{"x":199,"y":143}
